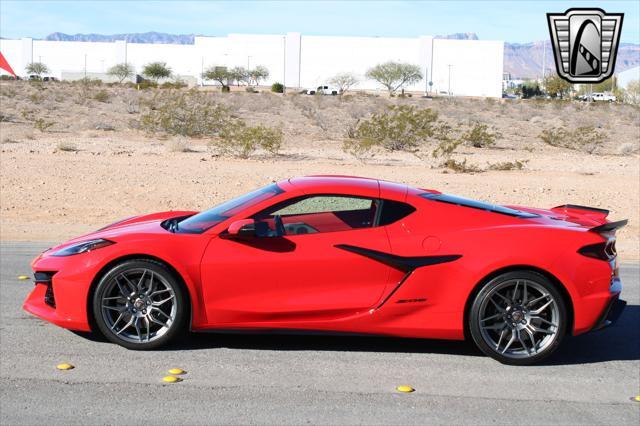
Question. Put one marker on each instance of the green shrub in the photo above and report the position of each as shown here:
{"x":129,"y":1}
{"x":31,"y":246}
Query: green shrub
{"x":88,"y":81}
{"x":479,"y":136}
{"x":277,"y":87}
{"x":101,"y":96}
{"x":400,"y":128}
{"x":42,"y":124}
{"x":446,"y":148}
{"x":185,"y":114}
{"x":240,"y":140}
{"x":178,"y":84}
{"x":586,"y":139}
{"x":146,"y":84}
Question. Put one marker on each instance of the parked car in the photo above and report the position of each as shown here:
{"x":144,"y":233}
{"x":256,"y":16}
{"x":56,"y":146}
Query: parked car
{"x":341,"y":254}
{"x":323,"y":90}
{"x":600,"y":97}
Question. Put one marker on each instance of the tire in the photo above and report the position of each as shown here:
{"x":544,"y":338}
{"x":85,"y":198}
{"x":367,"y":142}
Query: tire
{"x":518,"y":318}
{"x":141,"y":305}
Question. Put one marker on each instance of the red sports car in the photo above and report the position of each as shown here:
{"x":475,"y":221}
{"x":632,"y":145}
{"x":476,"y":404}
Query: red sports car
{"x":341,"y":254}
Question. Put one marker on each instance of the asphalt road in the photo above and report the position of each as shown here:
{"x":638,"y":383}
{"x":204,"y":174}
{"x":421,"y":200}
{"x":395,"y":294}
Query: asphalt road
{"x":240,"y":379}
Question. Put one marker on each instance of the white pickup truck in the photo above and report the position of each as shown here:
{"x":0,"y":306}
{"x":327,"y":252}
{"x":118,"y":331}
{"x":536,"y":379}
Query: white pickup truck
{"x":601,"y":97}
{"x":323,"y":90}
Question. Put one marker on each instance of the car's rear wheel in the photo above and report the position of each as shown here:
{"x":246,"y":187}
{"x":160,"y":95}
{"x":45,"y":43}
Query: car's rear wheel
{"x":139,"y":304}
{"x":518,"y":318}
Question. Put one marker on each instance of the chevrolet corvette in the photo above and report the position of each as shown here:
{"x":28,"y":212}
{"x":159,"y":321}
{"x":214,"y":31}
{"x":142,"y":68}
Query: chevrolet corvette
{"x":341,"y":254}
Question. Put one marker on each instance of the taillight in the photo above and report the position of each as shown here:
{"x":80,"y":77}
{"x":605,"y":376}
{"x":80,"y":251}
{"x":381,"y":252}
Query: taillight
{"x":603,"y":251}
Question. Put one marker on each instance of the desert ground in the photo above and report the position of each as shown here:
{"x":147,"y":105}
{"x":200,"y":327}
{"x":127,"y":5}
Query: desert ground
{"x":75,"y":157}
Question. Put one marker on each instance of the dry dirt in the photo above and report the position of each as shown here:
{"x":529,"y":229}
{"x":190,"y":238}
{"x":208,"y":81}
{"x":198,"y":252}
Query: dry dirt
{"x":72,"y":178}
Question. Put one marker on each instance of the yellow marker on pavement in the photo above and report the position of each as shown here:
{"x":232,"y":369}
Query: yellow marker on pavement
{"x":23,"y":277}
{"x":65,"y":366}
{"x":405,"y":389}
{"x":637,"y":398}
{"x":171,"y":379}
{"x":177,"y":371}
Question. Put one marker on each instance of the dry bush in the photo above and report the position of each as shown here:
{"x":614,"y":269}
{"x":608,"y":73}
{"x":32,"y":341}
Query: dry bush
{"x":8,"y":92}
{"x":446,"y":148}
{"x":67,"y":146}
{"x":585,"y":139}
{"x":101,"y":96}
{"x":36,"y":98}
{"x":185,"y":114}
{"x":42,"y":124}
{"x":240,"y":140}
{"x":479,"y":136}
{"x":461,"y":166}
{"x":400,"y":128}
{"x":507,"y":165}
{"x":178,"y":145}
{"x":628,"y":148}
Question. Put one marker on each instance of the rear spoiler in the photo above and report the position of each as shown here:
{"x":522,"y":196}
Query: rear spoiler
{"x":611,"y":226}
{"x":579,"y":207}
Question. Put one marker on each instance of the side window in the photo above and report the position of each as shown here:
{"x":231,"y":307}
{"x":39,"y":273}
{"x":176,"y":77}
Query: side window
{"x":393,"y":211}
{"x":322,"y":213}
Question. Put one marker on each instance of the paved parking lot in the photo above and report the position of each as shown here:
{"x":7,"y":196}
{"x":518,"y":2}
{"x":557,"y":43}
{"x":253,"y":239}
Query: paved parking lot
{"x":271,"y":379}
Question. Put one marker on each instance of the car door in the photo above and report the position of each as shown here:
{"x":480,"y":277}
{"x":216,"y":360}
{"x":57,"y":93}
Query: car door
{"x":301,"y":276}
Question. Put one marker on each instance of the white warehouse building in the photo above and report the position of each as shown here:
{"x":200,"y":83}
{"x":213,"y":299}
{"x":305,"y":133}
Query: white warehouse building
{"x":460,"y":67}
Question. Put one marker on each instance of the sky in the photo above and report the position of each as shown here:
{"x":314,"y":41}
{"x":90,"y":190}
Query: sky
{"x":511,"y":21}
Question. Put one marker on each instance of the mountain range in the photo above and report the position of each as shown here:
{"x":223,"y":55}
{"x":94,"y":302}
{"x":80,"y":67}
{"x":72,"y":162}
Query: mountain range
{"x":521,"y":60}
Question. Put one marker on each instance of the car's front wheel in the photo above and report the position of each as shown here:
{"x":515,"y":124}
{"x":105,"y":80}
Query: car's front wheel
{"x":518,"y":318}
{"x":139,"y":304}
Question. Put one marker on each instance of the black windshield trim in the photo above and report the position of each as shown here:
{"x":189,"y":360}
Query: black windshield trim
{"x":478,"y":205}
{"x":274,"y":188}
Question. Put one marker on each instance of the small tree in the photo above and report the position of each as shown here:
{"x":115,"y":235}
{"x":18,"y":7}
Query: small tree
{"x":395,"y":75}
{"x":217,"y":73}
{"x":258,"y":73}
{"x":156,"y":70}
{"x":37,"y":68}
{"x":530,"y":89}
{"x":121,"y":71}
{"x":555,"y":86}
{"x":239,"y":75}
{"x":344,"y":81}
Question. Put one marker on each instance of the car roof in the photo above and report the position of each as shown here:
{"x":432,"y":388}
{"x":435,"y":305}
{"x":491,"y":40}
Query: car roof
{"x":344,"y":184}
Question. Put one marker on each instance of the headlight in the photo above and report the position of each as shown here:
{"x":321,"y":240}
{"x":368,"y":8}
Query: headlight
{"x":83,"y":247}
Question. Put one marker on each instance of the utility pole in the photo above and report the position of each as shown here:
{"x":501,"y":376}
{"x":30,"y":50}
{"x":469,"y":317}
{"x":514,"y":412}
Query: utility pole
{"x":544,"y":57}
{"x":202,"y":71}
{"x":85,"y":66}
{"x":284,"y":64}
{"x":426,"y":81}
{"x":449,"y":90}
{"x":248,"y":67}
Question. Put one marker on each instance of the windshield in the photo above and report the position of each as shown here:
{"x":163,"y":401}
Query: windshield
{"x":200,"y":222}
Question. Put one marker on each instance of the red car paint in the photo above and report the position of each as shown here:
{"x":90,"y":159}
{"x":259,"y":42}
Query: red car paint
{"x":305,"y":282}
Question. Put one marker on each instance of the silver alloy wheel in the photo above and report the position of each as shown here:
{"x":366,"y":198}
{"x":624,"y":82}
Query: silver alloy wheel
{"x":519,"y":318}
{"x":138,"y":305}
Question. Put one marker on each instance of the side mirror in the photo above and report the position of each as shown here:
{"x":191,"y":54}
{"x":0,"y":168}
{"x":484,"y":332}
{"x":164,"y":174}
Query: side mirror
{"x":242,"y":228}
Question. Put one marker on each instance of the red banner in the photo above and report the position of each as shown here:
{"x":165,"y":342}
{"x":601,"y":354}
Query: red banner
{"x":5,"y":65}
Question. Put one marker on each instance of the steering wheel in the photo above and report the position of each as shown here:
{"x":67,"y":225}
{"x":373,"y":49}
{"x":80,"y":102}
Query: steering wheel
{"x":277,"y":221}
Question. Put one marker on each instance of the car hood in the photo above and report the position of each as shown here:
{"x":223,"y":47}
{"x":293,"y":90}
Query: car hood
{"x":143,"y":224}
